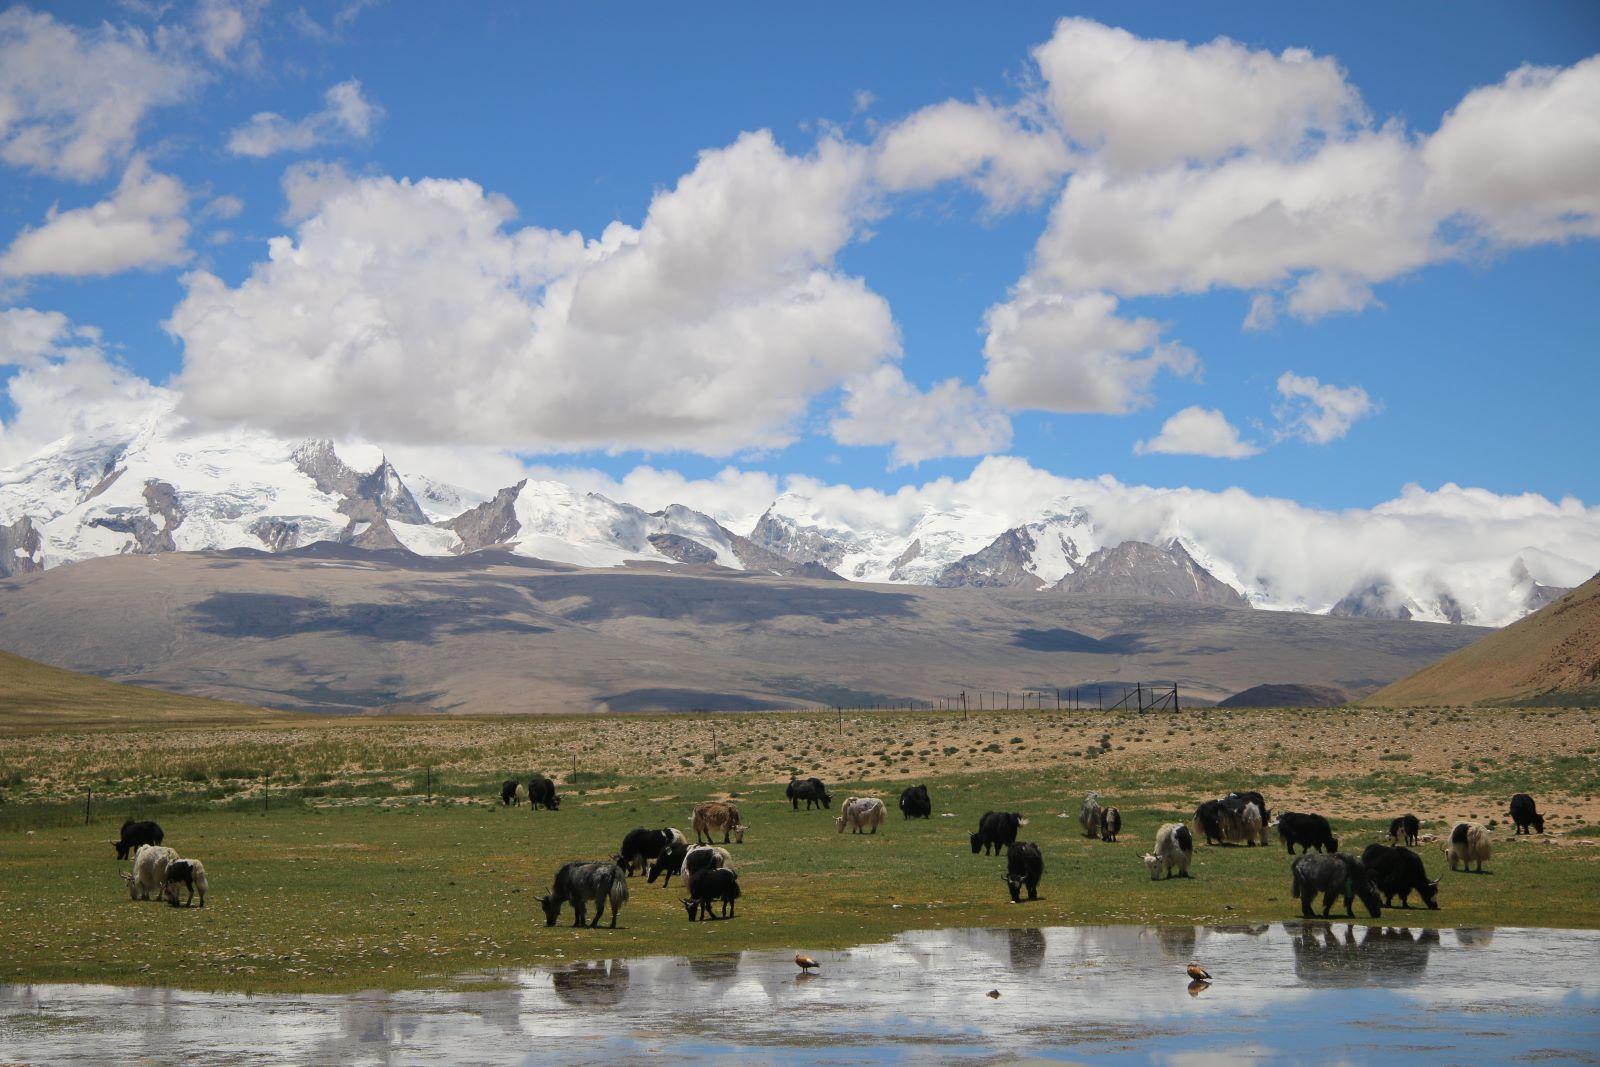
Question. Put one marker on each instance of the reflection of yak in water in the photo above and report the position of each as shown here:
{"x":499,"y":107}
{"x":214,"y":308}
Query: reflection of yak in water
{"x":717,"y":968}
{"x":1474,"y":936}
{"x":1396,"y":954}
{"x":1027,"y":948}
{"x":596,"y":984}
{"x":1177,"y":942}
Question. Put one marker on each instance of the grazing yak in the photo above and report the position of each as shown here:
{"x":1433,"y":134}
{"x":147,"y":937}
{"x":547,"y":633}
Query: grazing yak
{"x":719,"y":884}
{"x":1174,"y":850}
{"x":1307,"y":830}
{"x":1404,"y":828}
{"x":1399,"y":871}
{"x":1024,"y":867}
{"x":1089,"y":814}
{"x":1469,"y":844}
{"x":713,"y":816}
{"x":1332,"y":874}
{"x":861,"y":813}
{"x":135,"y":834}
{"x":191,"y":874}
{"x":512,"y":793}
{"x":996,"y":829}
{"x":149,"y":874}
{"x":643,"y":844}
{"x":542,"y":793}
{"x":1110,"y":824}
{"x":704,"y":858}
{"x":1238,"y":804}
{"x":1230,"y":821}
{"x":914,"y":802}
{"x":578,"y":883}
{"x":810,"y":790}
{"x":1525,"y":814}
{"x":668,"y":863}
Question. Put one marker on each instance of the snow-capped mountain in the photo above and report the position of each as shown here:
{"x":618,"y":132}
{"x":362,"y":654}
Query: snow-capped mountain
{"x":155,"y":485}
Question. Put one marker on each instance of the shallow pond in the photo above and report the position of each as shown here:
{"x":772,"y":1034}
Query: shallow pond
{"x":1292,"y":992}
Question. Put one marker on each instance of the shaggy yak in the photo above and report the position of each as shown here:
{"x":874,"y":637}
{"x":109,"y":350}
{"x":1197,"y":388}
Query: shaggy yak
{"x":1306,"y":830}
{"x":1399,"y":871}
{"x":578,"y":883}
{"x":1525,"y":814}
{"x":1333,"y":875}
{"x":1404,"y":828}
{"x":996,"y":829}
{"x":1024,"y":867}
{"x":914,"y":802}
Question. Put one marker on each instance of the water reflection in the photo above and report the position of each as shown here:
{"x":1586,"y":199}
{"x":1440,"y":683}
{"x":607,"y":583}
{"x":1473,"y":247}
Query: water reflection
{"x":1326,"y":956}
{"x":595,"y":984}
{"x":1465,"y":996}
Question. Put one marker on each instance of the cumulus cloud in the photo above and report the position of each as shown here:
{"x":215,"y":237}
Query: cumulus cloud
{"x":1075,"y":354}
{"x":346,"y":114}
{"x":415,"y":311}
{"x":221,"y":27}
{"x":1318,"y":413}
{"x":1521,"y":157}
{"x":734,"y":497}
{"x":64,"y":382}
{"x":1143,"y":104}
{"x":950,"y":419}
{"x":140,"y":225}
{"x":71,"y":100}
{"x":1198,"y":431}
{"x":1006,"y":157}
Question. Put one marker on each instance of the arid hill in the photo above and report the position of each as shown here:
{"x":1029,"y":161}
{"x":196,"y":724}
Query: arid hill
{"x":35,"y":694}
{"x":1286,"y":695}
{"x":336,"y":628}
{"x":1550,"y":658}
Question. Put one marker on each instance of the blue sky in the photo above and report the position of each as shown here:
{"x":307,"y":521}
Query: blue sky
{"x":1477,"y":367}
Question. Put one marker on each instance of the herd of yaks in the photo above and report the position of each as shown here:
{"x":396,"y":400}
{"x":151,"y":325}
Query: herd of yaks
{"x":1381,"y":873}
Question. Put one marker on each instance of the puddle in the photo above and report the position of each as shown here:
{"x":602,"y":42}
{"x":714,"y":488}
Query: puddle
{"x":1285,"y":992}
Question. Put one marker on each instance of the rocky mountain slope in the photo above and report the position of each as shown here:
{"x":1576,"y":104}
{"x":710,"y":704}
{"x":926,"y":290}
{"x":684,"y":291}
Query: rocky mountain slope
{"x":1552,"y":657}
{"x":336,"y":628}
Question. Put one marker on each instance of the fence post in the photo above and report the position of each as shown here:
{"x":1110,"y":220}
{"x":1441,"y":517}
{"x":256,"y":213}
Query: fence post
{"x":88,"y":806}
{"x":266,"y":791}
{"x":430,"y":785}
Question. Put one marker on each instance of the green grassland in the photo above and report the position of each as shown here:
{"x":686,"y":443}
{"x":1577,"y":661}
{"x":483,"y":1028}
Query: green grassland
{"x":392,"y":889}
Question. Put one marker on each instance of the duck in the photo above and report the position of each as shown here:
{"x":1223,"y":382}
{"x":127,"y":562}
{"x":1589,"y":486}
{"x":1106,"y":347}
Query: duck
{"x":805,"y":963}
{"x":1198,"y":973}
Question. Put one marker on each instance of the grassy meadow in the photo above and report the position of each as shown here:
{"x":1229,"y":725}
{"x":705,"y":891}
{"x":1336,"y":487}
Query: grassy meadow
{"x":378,"y":855}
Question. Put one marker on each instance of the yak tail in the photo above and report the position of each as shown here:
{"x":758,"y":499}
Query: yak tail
{"x":618,"y":893}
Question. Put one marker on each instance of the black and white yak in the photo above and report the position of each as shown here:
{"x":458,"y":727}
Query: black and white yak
{"x":642,"y":845}
{"x":1333,"y":875}
{"x":1469,"y":844}
{"x":190,"y":874}
{"x":1174,"y":850}
{"x":1404,"y":828}
{"x":1110,"y":823}
{"x":578,"y":883}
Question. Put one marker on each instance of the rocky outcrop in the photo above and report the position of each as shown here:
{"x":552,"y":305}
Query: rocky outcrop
{"x":493,"y":522}
{"x":278,"y":535}
{"x":1003,"y":565}
{"x":21,"y":548}
{"x":1140,"y":569}
{"x":782,"y":537}
{"x":759,"y":560}
{"x":151,"y":533}
{"x":382,"y":492}
{"x":682,"y":549}
{"x":1377,"y":600}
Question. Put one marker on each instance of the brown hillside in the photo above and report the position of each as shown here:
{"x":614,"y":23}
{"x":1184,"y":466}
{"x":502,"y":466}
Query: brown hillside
{"x":1552,"y":657}
{"x":34,"y":694}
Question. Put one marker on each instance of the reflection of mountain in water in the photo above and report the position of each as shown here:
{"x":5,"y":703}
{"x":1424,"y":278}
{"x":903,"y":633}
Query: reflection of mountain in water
{"x":1387,"y":955}
{"x":1027,"y":948}
{"x":595,"y":984}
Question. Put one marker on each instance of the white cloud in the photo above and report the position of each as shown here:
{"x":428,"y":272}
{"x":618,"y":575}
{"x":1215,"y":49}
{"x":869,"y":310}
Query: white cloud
{"x":222,"y":26}
{"x":1263,"y":313}
{"x":309,"y":184}
{"x":1326,"y":292}
{"x":736,"y":498}
{"x":951,"y":419}
{"x":1007,"y":158}
{"x":1198,"y":431}
{"x":1318,"y":413}
{"x":223,"y":207}
{"x":414,"y":312}
{"x":1522,"y":157}
{"x":1145,"y":104}
{"x":346,"y":114}
{"x":863,"y":101}
{"x":72,"y":101}
{"x":1075,"y":354}
{"x":65,"y":382}
{"x":141,"y":225}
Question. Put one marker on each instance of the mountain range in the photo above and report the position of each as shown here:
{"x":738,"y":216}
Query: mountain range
{"x":156,"y":485}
